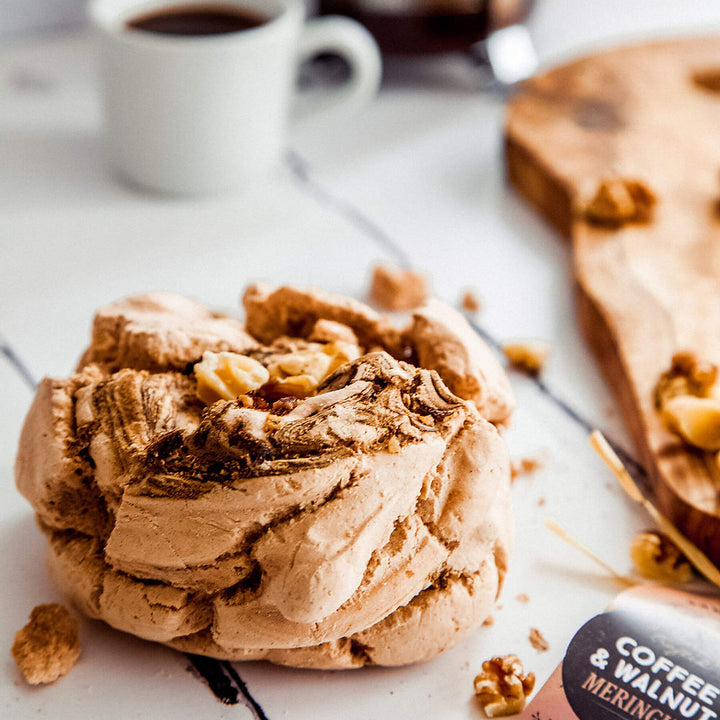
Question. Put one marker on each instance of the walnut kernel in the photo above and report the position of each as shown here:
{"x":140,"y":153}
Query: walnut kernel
{"x":696,"y":420}
{"x":299,"y":373}
{"x":619,"y":201}
{"x":226,"y":375}
{"x":528,"y":356}
{"x":330,"y":331}
{"x":683,"y":399}
{"x":656,"y":557}
{"x":686,"y":376}
{"x":502,"y":688}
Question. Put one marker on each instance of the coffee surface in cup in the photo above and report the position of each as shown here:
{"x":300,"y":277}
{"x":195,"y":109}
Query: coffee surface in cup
{"x":197,"y":19}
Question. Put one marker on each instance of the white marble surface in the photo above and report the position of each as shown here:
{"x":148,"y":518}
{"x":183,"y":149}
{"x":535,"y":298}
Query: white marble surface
{"x":417,"y":175}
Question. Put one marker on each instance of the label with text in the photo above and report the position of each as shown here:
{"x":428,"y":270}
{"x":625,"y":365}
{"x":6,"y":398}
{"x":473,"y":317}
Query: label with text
{"x":636,"y":663}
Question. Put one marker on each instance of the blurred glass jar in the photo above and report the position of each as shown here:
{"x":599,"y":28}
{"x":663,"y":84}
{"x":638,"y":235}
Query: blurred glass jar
{"x":416,"y":27}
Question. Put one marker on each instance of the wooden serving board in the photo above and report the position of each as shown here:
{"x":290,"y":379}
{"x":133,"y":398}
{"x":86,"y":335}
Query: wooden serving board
{"x":645,"y":291}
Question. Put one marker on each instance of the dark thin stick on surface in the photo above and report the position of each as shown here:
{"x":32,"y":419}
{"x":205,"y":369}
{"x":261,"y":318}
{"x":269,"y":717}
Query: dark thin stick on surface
{"x":636,"y":470}
{"x":299,"y":168}
{"x":17,"y":363}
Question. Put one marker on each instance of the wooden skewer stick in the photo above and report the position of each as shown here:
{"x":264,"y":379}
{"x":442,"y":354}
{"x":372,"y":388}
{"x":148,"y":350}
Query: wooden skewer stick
{"x":563,"y":534}
{"x":700,"y":561}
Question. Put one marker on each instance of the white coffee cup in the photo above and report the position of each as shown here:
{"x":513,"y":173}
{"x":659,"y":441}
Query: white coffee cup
{"x":205,"y":113}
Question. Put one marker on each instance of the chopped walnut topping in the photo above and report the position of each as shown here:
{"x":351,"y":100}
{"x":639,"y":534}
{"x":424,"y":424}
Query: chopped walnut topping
{"x":284,"y":405}
{"x":619,"y":201}
{"x":331,"y":331}
{"x":656,"y":557}
{"x":470,"y":302}
{"x":397,"y":290}
{"x":502,"y":688}
{"x":538,"y":641}
{"x":683,"y":399}
{"x":393,"y":445}
{"x":226,"y":376}
{"x":47,"y":647}
{"x":299,"y":373}
{"x":528,"y":356}
{"x":489,"y":621}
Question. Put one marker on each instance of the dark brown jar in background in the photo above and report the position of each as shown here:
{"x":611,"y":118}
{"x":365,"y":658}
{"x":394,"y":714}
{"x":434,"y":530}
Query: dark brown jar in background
{"x":412,"y":27}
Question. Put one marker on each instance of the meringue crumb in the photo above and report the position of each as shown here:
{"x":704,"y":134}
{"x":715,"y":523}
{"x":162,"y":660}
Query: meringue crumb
{"x":502,"y":688}
{"x":397,"y":290}
{"x":47,"y":647}
{"x":470,"y":302}
{"x":523,"y":598}
{"x":538,"y":641}
{"x":524,"y":466}
{"x":527,"y":356}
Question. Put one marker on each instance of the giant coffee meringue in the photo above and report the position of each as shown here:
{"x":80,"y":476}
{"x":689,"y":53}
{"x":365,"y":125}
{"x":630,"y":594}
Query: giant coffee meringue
{"x":364,"y":520}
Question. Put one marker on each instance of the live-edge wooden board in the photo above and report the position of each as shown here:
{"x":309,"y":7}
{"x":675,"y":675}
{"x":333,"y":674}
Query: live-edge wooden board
{"x":645,"y":291}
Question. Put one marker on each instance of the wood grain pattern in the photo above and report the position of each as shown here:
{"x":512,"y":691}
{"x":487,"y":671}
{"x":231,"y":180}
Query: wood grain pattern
{"x":645,"y":291}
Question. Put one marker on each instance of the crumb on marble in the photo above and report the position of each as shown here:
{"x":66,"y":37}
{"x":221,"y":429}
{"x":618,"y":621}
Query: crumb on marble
{"x":470,"y":302}
{"x":524,"y":466}
{"x":47,"y":647}
{"x":538,"y":641}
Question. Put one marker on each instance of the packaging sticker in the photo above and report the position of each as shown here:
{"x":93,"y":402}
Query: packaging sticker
{"x":643,"y":662}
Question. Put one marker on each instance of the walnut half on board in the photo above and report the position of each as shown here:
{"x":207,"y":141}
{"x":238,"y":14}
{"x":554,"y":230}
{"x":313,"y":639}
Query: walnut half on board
{"x":618,"y":201}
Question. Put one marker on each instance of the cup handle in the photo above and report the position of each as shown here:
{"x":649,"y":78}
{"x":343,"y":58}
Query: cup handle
{"x":349,"y":39}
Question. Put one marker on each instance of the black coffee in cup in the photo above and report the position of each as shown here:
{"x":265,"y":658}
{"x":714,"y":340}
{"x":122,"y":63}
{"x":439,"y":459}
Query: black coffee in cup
{"x":198,"y":19}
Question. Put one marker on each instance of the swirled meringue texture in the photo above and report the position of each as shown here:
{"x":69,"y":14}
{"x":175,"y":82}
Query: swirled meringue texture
{"x":367,"y":524}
